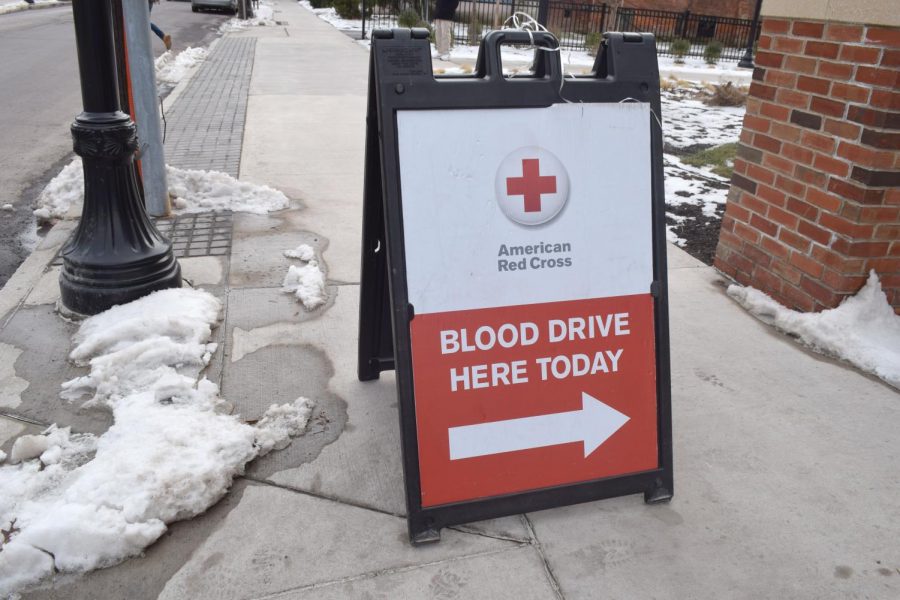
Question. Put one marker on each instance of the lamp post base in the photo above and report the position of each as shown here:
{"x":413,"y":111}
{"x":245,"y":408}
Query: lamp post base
{"x":116,"y":255}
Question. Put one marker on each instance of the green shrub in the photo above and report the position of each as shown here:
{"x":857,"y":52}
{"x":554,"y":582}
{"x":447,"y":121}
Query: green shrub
{"x":408,"y":18}
{"x":347,"y":9}
{"x":474,"y":32}
{"x":719,"y":159}
{"x":320,"y":3}
{"x":679,"y":49}
{"x":712,"y":52}
{"x":592,"y":43}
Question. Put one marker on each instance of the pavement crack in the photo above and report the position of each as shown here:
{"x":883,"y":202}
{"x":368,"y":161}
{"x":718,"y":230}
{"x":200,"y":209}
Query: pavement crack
{"x":334,"y":499}
{"x":493,"y":536}
{"x":551,"y":576}
{"x":23,"y":419}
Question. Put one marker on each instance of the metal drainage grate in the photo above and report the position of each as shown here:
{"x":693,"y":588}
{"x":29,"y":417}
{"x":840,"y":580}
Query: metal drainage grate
{"x":199,"y":234}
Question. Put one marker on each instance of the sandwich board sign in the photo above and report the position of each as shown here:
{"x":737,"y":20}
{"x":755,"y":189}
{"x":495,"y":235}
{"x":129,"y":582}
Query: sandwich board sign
{"x":514,"y":276}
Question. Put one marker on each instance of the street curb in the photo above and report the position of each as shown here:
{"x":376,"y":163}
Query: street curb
{"x":20,"y":284}
{"x":17,"y":288}
{"x":43,"y":5}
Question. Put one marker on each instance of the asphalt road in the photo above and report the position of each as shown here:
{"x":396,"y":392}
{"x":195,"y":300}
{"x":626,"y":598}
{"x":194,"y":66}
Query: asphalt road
{"x":40,"y":96}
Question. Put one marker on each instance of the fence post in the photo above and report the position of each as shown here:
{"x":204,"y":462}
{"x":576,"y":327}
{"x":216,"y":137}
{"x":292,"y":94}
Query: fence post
{"x":618,"y":19}
{"x":684,"y":22}
{"x":746,"y":61}
{"x":603,"y":14}
{"x":544,"y":12}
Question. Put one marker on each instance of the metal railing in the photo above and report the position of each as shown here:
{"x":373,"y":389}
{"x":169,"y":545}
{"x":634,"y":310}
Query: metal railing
{"x":697,"y":30}
{"x":577,"y":26}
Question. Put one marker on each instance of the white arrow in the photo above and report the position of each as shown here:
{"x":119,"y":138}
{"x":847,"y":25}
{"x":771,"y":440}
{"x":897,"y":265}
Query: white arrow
{"x":593,"y":425}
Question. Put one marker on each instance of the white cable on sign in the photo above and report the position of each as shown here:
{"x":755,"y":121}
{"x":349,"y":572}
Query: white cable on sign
{"x":652,"y":112}
{"x":519,"y":21}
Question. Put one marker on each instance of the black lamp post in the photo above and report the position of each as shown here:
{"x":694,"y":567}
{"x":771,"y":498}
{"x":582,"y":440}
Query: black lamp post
{"x":116,"y":254}
{"x":747,"y":60}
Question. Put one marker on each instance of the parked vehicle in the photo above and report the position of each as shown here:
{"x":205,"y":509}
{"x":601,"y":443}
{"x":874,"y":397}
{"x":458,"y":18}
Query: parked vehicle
{"x":229,"y":6}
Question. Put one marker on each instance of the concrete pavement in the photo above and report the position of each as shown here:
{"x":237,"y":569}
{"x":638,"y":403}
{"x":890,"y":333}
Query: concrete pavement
{"x":786,"y":462}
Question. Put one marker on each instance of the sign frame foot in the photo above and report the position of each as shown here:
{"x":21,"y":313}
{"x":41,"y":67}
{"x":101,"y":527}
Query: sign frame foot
{"x":661,"y":494}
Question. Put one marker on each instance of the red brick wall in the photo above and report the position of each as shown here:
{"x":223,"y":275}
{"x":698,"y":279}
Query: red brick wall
{"x":815,"y":196}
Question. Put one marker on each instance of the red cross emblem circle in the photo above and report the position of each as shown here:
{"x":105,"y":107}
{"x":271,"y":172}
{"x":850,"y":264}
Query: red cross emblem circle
{"x":532,"y":186}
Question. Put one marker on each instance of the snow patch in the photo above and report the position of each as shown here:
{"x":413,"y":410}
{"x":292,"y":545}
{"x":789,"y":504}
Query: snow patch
{"x":193,"y":192}
{"x":863,"y":330}
{"x":204,"y":191}
{"x":27,"y":447}
{"x":304,"y":252}
{"x":282,"y":422}
{"x":63,"y":191}
{"x":171,"y":67}
{"x":306,"y":282}
{"x":17,"y":6}
{"x":157,"y":342}
{"x":264,"y":16}
{"x":171,"y":453}
{"x":687,"y":121}
{"x":330,"y":16}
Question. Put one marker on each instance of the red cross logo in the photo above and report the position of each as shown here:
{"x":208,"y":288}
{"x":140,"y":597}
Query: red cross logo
{"x":531,"y":185}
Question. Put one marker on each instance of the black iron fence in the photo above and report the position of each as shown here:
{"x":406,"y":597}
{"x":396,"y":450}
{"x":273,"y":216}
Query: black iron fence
{"x":577,"y":25}
{"x":686,"y":33}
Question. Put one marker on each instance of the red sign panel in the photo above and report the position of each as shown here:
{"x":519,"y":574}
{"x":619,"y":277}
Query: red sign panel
{"x":520,"y":398}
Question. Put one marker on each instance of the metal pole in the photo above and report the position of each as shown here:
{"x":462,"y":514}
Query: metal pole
{"x":116,"y":255}
{"x":146,"y":107}
{"x":363,"y":19}
{"x":544,"y":12}
{"x":747,"y":60}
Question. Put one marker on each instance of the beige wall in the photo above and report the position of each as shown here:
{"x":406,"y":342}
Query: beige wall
{"x":870,"y":12}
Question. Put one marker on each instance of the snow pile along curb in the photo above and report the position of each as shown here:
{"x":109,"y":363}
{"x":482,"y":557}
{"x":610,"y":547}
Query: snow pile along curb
{"x":64,"y":191}
{"x":205,"y":191}
{"x":19,"y":6}
{"x":863,"y":330}
{"x":87,"y":502}
{"x":193,"y":192}
{"x":171,"y":68}
{"x":264,"y":16}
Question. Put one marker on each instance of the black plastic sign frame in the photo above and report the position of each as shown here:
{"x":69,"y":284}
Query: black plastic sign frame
{"x":401,"y":78}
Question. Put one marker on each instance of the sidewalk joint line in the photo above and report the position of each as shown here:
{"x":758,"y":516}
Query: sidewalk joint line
{"x":387,"y":571}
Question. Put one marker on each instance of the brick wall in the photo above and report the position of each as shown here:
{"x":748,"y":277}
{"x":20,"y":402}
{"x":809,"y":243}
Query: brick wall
{"x":815,"y":196}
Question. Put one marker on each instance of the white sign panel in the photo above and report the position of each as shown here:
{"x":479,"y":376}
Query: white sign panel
{"x":507,"y":207}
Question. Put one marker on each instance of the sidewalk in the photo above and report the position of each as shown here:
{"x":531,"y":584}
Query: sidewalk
{"x":785,"y":461}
